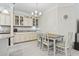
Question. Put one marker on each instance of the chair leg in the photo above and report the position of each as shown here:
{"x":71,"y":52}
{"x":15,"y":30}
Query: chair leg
{"x":65,"y":51}
{"x":48,"y":49}
{"x":37,"y":43}
{"x":70,"y":49}
{"x":42,"y":47}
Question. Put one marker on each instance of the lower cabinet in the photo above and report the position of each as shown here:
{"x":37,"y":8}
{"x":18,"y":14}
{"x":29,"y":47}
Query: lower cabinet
{"x":24,"y":36}
{"x":4,"y":47}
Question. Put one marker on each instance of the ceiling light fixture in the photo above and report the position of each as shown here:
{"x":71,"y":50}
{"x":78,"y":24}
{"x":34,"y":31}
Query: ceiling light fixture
{"x":36,"y":13}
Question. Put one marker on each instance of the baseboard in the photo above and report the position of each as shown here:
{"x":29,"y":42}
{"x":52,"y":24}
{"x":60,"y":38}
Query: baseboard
{"x":24,"y":41}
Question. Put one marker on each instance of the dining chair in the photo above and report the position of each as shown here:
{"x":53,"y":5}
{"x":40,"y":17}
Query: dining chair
{"x":46,"y":42}
{"x":39,"y":39}
{"x":66,"y":43}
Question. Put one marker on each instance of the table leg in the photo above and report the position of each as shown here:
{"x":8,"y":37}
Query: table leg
{"x":54,"y":47}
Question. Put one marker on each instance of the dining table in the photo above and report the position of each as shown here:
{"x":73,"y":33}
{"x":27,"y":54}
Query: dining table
{"x":54,"y":38}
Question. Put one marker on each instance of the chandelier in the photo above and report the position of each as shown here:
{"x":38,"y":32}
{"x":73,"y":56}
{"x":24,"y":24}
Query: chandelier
{"x":36,"y":13}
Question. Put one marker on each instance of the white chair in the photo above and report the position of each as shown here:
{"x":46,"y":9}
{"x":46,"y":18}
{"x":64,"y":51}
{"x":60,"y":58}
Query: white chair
{"x":46,"y":42}
{"x":39,"y":39}
{"x":67,"y":43}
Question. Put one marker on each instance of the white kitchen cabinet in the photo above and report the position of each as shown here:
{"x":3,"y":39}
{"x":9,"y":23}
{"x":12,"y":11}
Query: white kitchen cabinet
{"x":35,"y":22}
{"x":21,"y":20}
{"x":28,"y":21}
{"x":25,"y":21}
{"x":17,"y":38}
{"x":24,"y":36}
{"x":18,"y":20}
{"x":4,"y":19}
{"x":8,"y":20}
{"x":4,"y":47}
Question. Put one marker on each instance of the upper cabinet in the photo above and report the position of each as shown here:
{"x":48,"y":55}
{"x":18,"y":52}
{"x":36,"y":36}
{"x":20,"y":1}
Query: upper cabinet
{"x":35,"y":22}
{"x":16,"y":20}
{"x":23,"y":21}
{"x":28,"y":21}
{"x":5,"y":19}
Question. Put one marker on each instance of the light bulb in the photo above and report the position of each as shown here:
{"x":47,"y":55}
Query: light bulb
{"x":32,"y":13}
{"x":40,"y":13}
{"x":36,"y":11}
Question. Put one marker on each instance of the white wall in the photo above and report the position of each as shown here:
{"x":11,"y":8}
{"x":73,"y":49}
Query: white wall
{"x":53,"y":21}
{"x":20,"y":13}
{"x":48,"y":21}
{"x":69,"y":24}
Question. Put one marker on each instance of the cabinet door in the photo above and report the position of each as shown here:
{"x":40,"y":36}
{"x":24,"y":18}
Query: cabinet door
{"x":4,"y":47}
{"x":19,"y":37}
{"x":30,"y":22}
{"x":26,"y":35}
{"x":21,"y":20}
{"x":2,"y":20}
{"x":33,"y":35}
{"x":34,"y":22}
{"x":16,"y":38}
{"x":27,"y":21}
{"x":8,"y":20}
{"x":16,"y":20}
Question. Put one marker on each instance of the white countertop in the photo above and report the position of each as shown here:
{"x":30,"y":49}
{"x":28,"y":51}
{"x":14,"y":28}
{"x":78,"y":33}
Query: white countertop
{"x":5,"y":36}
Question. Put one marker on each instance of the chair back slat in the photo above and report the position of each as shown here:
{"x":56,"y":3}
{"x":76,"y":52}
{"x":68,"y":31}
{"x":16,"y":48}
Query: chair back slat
{"x":44,"y":37}
{"x":39,"y":36}
{"x":68,"y":40}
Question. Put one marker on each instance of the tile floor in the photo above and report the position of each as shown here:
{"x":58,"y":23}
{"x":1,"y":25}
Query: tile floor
{"x":31,"y":49}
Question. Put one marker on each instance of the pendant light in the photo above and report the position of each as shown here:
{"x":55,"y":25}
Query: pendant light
{"x":36,"y":13}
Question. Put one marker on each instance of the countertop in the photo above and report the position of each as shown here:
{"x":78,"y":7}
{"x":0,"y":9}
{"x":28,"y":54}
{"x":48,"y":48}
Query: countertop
{"x":26,"y":31}
{"x":5,"y":37}
{"x":4,"y":33}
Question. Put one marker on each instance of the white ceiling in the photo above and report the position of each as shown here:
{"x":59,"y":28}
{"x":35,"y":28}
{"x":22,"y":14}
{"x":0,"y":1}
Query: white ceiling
{"x":30,"y":7}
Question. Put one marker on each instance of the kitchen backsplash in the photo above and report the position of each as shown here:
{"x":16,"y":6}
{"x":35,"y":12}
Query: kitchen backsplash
{"x":24,"y":28}
{"x":4,"y":29}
